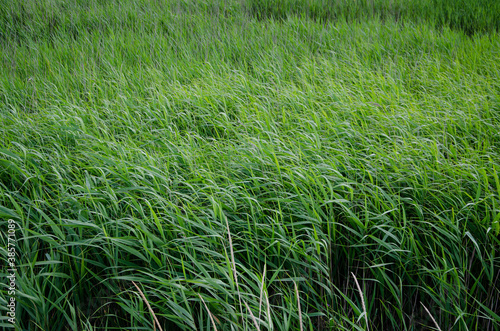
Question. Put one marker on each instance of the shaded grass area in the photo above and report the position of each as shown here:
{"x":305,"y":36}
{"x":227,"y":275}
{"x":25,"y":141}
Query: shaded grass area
{"x":464,"y":15}
{"x":233,"y":168}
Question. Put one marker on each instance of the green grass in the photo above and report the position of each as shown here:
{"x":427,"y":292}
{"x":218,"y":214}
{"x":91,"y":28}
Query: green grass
{"x":471,"y":17}
{"x":246,"y":169}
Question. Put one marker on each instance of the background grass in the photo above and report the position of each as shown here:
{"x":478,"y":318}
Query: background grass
{"x":245,"y":163}
{"x":471,"y":17}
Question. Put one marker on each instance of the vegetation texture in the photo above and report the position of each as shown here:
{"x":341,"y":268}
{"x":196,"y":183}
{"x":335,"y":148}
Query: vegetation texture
{"x":251,"y":165}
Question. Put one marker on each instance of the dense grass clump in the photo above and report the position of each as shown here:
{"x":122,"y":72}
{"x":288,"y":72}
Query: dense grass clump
{"x":194,"y":164}
{"x":468,"y":16}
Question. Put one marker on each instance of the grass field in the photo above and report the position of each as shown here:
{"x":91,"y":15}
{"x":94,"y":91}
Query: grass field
{"x":250,"y":164}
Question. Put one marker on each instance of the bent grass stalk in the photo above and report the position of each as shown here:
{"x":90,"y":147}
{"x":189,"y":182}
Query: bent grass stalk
{"x":156,"y":323}
{"x":432,"y":317}
{"x":209,"y":313}
{"x":362,"y":300}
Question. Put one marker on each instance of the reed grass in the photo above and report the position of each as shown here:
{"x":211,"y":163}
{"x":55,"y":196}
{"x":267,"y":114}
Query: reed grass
{"x":240,"y":166}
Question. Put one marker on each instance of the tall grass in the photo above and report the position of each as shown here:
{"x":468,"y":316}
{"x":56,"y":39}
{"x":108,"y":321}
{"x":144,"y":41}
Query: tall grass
{"x":468,"y":16}
{"x":194,"y":164}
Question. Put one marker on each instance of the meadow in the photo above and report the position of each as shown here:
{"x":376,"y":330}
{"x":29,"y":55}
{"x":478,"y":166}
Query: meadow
{"x":251,"y":164}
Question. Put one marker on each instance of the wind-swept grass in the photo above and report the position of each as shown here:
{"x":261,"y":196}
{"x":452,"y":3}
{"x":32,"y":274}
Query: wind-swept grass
{"x":468,"y":16}
{"x":193,"y":164}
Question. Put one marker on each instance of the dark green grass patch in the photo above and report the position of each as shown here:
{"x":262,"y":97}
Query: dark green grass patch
{"x":464,"y":15}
